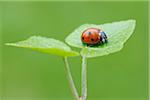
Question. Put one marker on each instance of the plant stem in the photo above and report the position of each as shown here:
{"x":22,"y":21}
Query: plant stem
{"x":84,"y":78}
{"x":70,"y":79}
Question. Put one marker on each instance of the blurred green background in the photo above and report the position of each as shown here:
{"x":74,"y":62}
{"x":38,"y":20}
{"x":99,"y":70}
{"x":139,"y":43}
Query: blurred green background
{"x":29,"y":75}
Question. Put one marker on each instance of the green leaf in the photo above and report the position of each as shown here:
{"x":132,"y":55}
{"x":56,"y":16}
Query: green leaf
{"x":45,"y":45}
{"x":117,"y":32}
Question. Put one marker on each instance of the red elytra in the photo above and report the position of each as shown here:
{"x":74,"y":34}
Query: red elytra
{"x":91,"y":36}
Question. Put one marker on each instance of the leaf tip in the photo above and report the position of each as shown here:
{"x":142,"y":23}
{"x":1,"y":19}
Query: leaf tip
{"x":10,"y":44}
{"x":133,"y":21}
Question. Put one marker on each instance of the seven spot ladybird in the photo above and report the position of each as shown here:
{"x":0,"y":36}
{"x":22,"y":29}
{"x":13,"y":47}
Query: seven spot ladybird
{"x":93,"y":37}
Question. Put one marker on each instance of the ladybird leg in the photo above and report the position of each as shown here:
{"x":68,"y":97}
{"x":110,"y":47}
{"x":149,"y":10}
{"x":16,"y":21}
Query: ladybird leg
{"x":87,"y":45}
{"x":91,"y":45}
{"x":106,"y":40}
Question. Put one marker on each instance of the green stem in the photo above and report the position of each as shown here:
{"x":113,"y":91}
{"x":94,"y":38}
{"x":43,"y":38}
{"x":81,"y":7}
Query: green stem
{"x":84,"y":78}
{"x":70,"y":79}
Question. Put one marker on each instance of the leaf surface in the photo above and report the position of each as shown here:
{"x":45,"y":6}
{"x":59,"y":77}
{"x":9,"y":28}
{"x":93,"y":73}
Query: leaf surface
{"x":45,"y":45}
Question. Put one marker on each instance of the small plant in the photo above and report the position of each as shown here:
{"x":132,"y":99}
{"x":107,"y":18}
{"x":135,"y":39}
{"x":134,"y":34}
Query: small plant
{"x":117,"y":33}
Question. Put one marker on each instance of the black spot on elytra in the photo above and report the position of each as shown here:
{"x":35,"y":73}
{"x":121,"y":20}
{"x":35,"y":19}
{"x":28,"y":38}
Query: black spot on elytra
{"x":82,"y":38}
{"x":92,"y":39}
{"x":89,"y":33}
{"x":97,"y":38}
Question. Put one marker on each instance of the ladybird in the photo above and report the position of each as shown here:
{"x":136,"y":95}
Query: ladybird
{"x":93,"y":37}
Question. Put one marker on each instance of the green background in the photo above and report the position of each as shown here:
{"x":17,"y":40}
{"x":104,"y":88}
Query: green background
{"x":29,"y":75}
